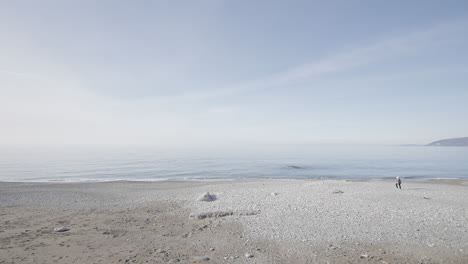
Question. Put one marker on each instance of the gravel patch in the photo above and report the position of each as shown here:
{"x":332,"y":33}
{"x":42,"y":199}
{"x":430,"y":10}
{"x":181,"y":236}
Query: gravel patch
{"x":361,"y":212}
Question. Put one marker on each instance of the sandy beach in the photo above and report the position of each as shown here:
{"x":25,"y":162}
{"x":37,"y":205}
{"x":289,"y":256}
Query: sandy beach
{"x":249,"y":221}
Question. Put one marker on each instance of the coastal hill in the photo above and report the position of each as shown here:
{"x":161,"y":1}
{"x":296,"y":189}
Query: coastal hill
{"x":459,"y":142}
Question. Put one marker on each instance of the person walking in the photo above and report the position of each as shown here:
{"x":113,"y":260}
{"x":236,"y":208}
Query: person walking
{"x":398,"y":182}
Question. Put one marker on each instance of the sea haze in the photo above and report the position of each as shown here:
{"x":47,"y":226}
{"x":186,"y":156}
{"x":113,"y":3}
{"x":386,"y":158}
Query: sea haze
{"x":289,"y":162}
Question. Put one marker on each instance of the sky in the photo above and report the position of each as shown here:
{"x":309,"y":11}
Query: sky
{"x":183,"y":73}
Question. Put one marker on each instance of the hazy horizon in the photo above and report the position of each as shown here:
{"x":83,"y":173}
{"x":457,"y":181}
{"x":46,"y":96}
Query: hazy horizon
{"x":208,"y":73}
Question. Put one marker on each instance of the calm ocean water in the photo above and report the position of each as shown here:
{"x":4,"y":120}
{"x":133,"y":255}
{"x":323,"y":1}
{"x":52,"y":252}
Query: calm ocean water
{"x":334,"y":162}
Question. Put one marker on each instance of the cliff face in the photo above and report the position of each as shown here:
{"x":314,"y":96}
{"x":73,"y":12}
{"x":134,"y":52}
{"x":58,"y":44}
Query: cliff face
{"x":459,"y":142}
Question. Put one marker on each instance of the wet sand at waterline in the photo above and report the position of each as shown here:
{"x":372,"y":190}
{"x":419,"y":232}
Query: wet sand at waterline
{"x":249,"y":221}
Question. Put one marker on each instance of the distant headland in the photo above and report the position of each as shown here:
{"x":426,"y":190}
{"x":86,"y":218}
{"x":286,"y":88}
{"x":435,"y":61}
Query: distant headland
{"x":459,"y":142}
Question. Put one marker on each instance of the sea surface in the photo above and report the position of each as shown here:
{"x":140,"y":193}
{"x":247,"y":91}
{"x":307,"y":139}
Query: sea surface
{"x":74,"y":164}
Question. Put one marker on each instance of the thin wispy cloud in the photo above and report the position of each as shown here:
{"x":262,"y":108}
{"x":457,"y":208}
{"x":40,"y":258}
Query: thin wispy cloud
{"x":19,"y":74}
{"x":373,"y":53}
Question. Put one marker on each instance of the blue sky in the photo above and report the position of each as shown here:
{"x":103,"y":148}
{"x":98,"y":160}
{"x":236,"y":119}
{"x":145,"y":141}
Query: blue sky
{"x":177,"y":73}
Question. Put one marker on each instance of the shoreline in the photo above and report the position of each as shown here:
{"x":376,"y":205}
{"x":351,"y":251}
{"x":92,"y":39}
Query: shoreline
{"x":276,"y":221}
{"x":156,"y":180}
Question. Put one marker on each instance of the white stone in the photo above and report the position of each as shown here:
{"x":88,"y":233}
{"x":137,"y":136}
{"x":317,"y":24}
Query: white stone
{"x":61,"y":229}
{"x":206,"y":197}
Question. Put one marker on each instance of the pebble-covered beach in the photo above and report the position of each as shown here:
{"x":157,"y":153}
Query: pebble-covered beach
{"x":251,"y":221}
